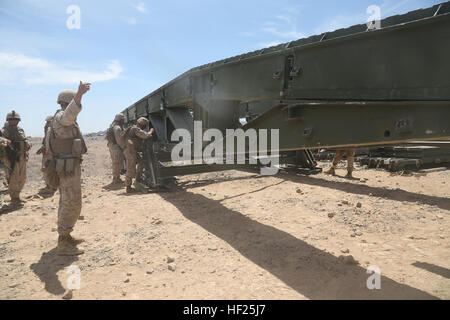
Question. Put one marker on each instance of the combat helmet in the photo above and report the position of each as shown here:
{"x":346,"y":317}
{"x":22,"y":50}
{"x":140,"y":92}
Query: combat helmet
{"x":48,"y":118}
{"x":12,"y":116}
{"x":119,"y":117}
{"x":66,"y":96}
{"x":142,"y":121}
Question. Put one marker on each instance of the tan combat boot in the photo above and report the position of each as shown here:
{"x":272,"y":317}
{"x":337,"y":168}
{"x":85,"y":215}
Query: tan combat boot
{"x":330,"y":171}
{"x":117,"y":181}
{"x":66,"y":247}
{"x":349,"y":174}
{"x":130,"y":190}
{"x":75,"y":241}
{"x":47,"y":191}
{"x":17,"y":202}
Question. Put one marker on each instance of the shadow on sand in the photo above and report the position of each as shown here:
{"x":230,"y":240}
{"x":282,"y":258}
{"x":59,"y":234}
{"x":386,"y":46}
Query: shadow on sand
{"x":48,"y":267}
{"x":312,"y":272}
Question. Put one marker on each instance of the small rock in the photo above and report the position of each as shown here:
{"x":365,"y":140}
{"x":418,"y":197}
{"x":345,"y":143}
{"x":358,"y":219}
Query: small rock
{"x":44,"y":213}
{"x":362,"y":180}
{"x":299,"y":191}
{"x":353,"y":235}
{"x":170,"y":259}
{"x":68,"y":295}
{"x":172,"y":266}
{"x":126,"y":280}
{"x":441,"y":236}
{"x":150,"y":271}
{"x":345,"y":202}
{"x":346,"y":250}
{"x":129,"y":274}
{"x":358,"y":233}
{"x":359,"y":205}
{"x":81,"y":218}
{"x":54,"y":229}
{"x":13,"y":285}
{"x":348,"y":259}
{"x":439,"y":217}
{"x":114,"y":212}
{"x":10,"y":260}
{"x":331,"y":215}
{"x":84,"y":196}
{"x":16,"y":233}
{"x":212,"y":248}
{"x":418,"y":238}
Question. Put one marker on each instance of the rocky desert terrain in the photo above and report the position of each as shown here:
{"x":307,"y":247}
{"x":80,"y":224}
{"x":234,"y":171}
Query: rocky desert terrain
{"x":235,"y":235}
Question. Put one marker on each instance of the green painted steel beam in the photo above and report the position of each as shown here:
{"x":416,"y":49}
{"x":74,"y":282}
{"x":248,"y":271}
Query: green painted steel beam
{"x":316,"y":125}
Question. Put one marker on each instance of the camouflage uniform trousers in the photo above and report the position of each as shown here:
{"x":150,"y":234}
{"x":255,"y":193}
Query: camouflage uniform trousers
{"x":17,"y":178}
{"x":46,"y":157}
{"x":70,"y":199}
{"x":133,"y":159}
{"x":117,"y":160}
{"x":350,"y":153}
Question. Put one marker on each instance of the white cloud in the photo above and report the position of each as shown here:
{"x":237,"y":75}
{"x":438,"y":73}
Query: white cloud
{"x":16,"y":68}
{"x":131,"y":20}
{"x":341,"y":21}
{"x":141,"y":7}
{"x":289,"y":34}
{"x":284,"y":18}
{"x":267,"y":44}
{"x":283,"y":27}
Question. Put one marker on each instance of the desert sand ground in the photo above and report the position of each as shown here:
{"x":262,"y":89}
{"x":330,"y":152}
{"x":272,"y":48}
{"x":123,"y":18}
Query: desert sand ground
{"x":235,"y":235}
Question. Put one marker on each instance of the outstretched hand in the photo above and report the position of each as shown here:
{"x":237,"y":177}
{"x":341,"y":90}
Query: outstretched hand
{"x":83,"y":87}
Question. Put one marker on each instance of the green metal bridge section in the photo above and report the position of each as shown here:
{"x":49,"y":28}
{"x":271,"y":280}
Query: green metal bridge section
{"x":346,"y":88}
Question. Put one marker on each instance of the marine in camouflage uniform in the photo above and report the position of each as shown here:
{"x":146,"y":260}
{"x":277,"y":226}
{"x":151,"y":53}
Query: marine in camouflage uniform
{"x":48,"y":190}
{"x":16,"y":170}
{"x":134,"y":140}
{"x":350,"y":153}
{"x":116,"y":146}
{"x":66,"y":146}
{"x":4,"y":143}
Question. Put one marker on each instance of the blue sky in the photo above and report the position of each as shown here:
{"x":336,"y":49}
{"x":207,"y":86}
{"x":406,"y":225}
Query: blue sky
{"x":127,"y":49}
